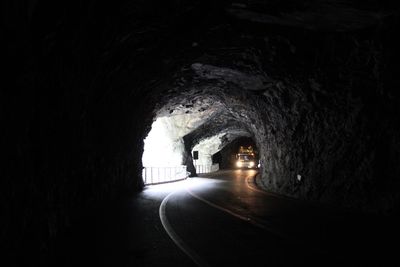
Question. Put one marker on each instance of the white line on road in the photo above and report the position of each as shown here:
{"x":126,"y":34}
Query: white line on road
{"x":260,"y":224}
{"x":252,"y":187}
{"x":175,"y":237}
{"x":247,"y":219}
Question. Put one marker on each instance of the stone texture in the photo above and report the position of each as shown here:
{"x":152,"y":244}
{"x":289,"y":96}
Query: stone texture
{"x":318,"y":94}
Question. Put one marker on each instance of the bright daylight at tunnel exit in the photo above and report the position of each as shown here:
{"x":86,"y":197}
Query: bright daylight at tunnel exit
{"x":171,"y":153}
{"x":201,"y":133}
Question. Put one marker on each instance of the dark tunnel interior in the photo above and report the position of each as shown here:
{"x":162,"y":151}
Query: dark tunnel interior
{"x":312,"y":85}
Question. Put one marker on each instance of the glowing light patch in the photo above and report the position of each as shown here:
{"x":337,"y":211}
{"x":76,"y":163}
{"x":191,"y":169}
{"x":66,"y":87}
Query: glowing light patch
{"x":197,"y":184}
{"x":164,"y":147}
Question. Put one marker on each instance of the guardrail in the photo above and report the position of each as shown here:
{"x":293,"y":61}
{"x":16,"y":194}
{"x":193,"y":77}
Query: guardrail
{"x":158,"y":175}
{"x":206,"y":168}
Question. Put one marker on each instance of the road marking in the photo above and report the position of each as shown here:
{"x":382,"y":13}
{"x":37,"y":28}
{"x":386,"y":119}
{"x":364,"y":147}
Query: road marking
{"x":244,"y":218}
{"x":263,"y":224}
{"x":249,"y":185}
{"x":192,"y":254}
{"x":175,"y":237}
{"x":267,"y":193}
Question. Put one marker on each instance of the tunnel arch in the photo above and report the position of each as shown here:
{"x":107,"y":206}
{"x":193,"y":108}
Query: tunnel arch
{"x":284,"y":117}
{"x":90,"y":79}
{"x":227,"y":114}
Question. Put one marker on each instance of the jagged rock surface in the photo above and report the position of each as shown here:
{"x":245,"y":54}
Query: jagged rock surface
{"x":318,"y":94}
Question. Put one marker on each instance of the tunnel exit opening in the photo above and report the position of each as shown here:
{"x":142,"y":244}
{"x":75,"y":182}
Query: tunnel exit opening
{"x":163,"y":152}
{"x":165,"y":155}
{"x":201,"y":124}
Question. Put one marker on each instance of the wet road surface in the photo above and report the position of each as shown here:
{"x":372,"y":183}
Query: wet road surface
{"x":224,"y":219}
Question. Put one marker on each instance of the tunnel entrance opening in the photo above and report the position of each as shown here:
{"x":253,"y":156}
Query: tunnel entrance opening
{"x":163,"y":152}
{"x":165,"y":156}
{"x":201,"y":124}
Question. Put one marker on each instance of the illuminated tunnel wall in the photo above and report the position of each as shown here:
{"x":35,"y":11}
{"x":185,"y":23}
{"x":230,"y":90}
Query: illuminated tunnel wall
{"x":317,"y":98}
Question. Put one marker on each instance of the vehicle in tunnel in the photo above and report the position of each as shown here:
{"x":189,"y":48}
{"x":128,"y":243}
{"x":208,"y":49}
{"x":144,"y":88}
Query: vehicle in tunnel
{"x":246,"y":161}
{"x":245,"y":158}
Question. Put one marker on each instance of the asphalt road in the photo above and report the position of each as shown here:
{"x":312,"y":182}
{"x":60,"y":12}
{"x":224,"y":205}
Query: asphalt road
{"x":224,"y":219}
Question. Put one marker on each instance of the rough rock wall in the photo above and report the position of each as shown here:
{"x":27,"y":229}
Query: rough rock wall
{"x":319,"y":105}
{"x":331,"y":124}
{"x":76,"y":110}
{"x":87,"y":80}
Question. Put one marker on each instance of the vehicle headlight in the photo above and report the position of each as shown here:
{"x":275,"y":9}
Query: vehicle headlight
{"x":251,"y":164}
{"x":238,"y":163}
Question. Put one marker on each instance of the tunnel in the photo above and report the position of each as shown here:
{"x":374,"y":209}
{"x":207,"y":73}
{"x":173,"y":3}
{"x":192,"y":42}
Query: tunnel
{"x":313,"y":85}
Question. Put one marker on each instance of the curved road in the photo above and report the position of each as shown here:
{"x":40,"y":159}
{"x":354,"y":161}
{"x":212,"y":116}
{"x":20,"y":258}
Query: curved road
{"x":224,"y":219}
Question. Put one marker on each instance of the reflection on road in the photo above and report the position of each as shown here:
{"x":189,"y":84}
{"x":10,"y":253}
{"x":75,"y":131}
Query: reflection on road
{"x":223,"y":218}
